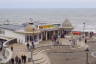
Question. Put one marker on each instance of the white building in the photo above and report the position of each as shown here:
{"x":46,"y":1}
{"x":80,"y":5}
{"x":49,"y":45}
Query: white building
{"x":30,"y":32}
{"x":24,"y":33}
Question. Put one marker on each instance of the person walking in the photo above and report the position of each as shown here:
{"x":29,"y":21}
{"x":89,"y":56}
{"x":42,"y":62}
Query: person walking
{"x":24,"y":59}
{"x":27,"y":46}
{"x":11,"y":48}
{"x":16,"y":59}
{"x":55,"y":39}
{"x":19,"y":61}
{"x":33,"y":46}
{"x":85,"y":40}
{"x":74,"y":42}
{"x":12,"y":60}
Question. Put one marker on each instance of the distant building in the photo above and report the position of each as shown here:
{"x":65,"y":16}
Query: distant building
{"x":30,"y":32}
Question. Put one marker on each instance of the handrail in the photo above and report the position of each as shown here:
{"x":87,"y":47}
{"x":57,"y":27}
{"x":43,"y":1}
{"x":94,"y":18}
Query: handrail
{"x":39,"y":48}
{"x":8,"y":55}
{"x":5,"y":44}
{"x":50,"y":47}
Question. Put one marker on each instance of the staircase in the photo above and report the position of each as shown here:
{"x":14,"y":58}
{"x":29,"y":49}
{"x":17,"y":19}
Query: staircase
{"x":40,"y":57}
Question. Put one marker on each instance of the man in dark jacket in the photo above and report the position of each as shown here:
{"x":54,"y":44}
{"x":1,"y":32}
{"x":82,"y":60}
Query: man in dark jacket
{"x":16,"y":59}
{"x":12,"y":60}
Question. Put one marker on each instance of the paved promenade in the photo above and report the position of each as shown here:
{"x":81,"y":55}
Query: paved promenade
{"x":40,"y":56}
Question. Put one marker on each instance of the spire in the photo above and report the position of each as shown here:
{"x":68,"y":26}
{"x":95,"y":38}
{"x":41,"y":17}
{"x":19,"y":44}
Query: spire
{"x":67,"y":24}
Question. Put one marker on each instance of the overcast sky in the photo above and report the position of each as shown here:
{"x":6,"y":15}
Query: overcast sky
{"x":47,"y":3}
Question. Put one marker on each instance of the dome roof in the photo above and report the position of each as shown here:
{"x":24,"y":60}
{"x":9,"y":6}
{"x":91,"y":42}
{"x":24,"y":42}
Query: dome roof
{"x":30,"y":28}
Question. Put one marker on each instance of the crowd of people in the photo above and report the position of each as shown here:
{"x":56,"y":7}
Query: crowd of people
{"x":18,"y":60}
{"x":73,"y":41}
{"x":55,"y":39}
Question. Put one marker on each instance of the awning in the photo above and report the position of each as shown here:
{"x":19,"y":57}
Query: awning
{"x":77,"y":33}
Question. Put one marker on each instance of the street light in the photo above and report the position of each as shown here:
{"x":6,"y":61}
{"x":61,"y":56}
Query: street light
{"x":87,"y":50}
{"x":32,"y":57}
{"x":33,"y":39}
{"x":32,"y":47}
{"x":84,"y":28}
{"x":84,"y":32}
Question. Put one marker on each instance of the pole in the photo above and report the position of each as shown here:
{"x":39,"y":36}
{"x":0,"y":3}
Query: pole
{"x":33,"y":39}
{"x":84,"y":30}
{"x":87,"y":50}
{"x":32,"y":57}
{"x":87,"y":58}
{"x":33,"y":48}
{"x":83,"y":26}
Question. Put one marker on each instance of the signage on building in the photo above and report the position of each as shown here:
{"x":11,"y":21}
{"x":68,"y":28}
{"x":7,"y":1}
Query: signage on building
{"x":49,"y":26}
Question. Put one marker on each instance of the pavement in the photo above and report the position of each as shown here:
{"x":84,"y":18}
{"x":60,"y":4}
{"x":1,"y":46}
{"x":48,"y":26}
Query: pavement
{"x":75,"y":57}
{"x":19,"y":50}
{"x":40,"y":55}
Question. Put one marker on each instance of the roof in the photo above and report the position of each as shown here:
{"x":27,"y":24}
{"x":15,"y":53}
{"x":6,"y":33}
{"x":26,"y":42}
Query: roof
{"x":11,"y":27}
{"x":30,"y":28}
{"x":67,"y":24}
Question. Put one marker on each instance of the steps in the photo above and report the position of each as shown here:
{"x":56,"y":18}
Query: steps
{"x":40,"y":57}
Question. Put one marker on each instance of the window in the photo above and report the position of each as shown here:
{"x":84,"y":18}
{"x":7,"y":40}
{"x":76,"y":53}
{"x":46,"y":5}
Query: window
{"x":26,"y":38}
{"x":39,"y":36}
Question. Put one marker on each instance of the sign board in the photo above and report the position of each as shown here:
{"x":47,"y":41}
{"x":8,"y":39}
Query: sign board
{"x":49,"y":26}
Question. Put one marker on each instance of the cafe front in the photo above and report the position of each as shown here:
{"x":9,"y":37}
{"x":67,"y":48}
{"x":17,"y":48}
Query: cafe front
{"x":48,"y":30}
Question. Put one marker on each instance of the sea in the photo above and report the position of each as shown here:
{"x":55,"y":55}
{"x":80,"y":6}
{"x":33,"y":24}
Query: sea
{"x":77,"y":16}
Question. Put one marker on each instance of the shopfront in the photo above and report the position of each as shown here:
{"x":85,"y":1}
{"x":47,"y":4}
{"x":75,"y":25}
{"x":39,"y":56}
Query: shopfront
{"x":48,"y":31}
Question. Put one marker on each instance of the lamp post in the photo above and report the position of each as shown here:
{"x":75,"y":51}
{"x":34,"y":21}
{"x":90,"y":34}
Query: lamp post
{"x":84,"y":28}
{"x":87,"y":50}
{"x":84,"y":32}
{"x":32,"y":57}
{"x":33,"y":39}
{"x":32,"y":47}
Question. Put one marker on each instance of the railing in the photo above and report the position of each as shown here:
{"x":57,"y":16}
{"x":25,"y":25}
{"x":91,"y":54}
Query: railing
{"x":12,"y":41}
{"x":48,"y":48}
{"x":8,"y":52}
{"x":7,"y":55}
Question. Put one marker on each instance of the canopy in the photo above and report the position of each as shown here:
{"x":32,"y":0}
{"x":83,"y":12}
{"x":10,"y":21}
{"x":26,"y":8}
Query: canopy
{"x":77,"y":33}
